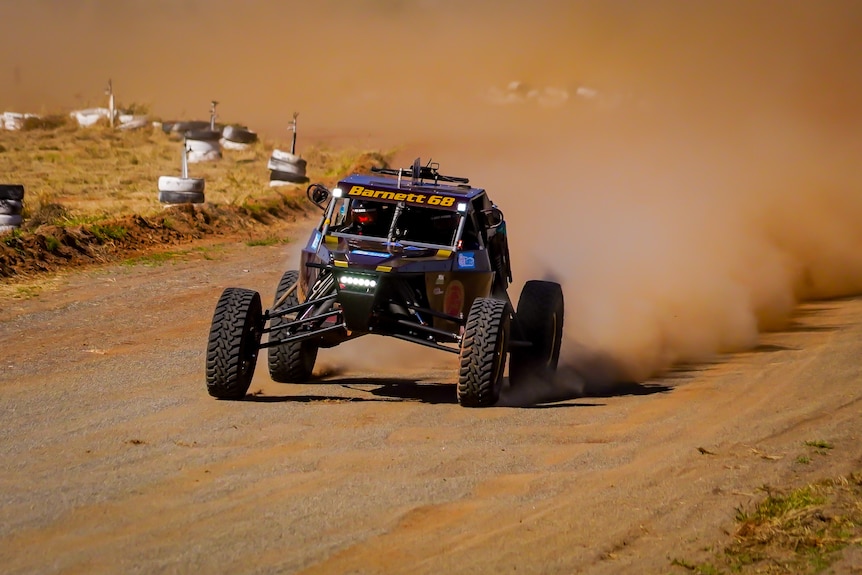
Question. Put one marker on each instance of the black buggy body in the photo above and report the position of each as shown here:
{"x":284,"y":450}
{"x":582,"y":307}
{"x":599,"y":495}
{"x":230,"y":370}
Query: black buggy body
{"x":411,"y":254}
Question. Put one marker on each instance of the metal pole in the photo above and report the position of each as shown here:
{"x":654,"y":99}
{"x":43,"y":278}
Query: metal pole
{"x":185,"y":159}
{"x":213,"y":105}
{"x":293,"y":126}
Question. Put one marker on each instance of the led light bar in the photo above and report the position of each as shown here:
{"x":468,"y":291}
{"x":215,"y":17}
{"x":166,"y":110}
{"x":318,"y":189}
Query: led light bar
{"x":358,"y":281}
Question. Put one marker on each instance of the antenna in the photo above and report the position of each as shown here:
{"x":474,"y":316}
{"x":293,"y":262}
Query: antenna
{"x":417,"y":169}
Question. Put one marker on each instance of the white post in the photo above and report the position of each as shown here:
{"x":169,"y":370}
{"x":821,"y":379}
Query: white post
{"x":185,"y":160}
{"x":110,"y":93}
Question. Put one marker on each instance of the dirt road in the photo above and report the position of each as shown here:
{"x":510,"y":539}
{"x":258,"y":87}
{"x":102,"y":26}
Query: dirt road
{"x":115,"y":460}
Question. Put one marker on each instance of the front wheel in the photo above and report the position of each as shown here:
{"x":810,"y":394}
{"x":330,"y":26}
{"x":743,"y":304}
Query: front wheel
{"x":233,"y":343}
{"x":483,"y":352}
{"x":540,"y":319}
{"x":290,"y":362}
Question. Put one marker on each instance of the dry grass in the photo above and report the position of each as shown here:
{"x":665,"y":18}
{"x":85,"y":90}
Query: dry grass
{"x":76,"y":175}
{"x":795,"y":532}
{"x":91,"y":194}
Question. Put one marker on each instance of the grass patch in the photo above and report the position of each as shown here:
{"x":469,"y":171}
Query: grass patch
{"x":155,"y":258}
{"x":819,"y":444}
{"x":799,"y":532}
{"x":267,"y":241}
{"x":108,"y":232}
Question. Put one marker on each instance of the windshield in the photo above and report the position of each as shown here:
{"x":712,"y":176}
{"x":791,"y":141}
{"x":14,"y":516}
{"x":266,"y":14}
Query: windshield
{"x":412,"y":224}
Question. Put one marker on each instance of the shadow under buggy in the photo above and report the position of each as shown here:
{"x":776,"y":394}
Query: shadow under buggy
{"x":411,"y":254}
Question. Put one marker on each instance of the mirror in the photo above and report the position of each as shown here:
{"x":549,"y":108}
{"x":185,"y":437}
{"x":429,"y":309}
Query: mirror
{"x":318,"y":194}
{"x":493,"y":217}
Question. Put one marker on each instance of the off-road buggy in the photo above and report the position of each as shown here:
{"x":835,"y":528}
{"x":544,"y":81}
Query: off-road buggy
{"x":411,"y":254}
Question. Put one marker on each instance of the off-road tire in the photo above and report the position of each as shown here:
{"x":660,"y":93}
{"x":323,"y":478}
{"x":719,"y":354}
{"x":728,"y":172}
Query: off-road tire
{"x":10,"y":207}
{"x":234,"y":342}
{"x":11,"y":192}
{"x":290,"y":362}
{"x":540,"y":317}
{"x":483,"y":352}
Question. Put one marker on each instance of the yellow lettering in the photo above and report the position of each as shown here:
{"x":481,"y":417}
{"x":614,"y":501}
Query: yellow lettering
{"x":384,"y":195}
{"x":400,"y":197}
{"x":355,"y":191}
{"x":447,"y":202}
{"x":367,"y":193}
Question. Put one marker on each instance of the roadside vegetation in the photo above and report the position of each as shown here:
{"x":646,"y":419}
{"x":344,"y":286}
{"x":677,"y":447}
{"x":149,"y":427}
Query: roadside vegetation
{"x":91,"y":193}
{"x":809,"y":529}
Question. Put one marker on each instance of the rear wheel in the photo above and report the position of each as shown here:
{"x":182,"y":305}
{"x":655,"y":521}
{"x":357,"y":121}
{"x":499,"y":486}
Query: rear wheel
{"x":233,"y":343}
{"x":290,"y":362}
{"x":483,"y":352}
{"x":540,"y":318}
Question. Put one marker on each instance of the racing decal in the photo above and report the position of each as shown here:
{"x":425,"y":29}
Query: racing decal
{"x":453,"y":301}
{"x":384,"y":269}
{"x":410,"y":198}
{"x":467,"y":261}
{"x":340,"y":264}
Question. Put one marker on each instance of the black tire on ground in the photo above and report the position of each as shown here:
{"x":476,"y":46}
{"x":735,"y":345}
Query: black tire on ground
{"x":290,"y":362}
{"x":234,"y":342}
{"x":190,"y":125}
{"x":178,"y":184}
{"x":168,"y":197}
{"x":206,"y":135}
{"x":483,"y":352}
{"x":11,"y":219}
{"x":10,"y":206}
{"x":238,"y":134}
{"x":11,"y":192}
{"x":540,"y":317}
{"x":276,"y":176}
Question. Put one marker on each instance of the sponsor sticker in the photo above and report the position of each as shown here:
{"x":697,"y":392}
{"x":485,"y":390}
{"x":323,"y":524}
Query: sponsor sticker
{"x":453,"y":301}
{"x":315,"y":241}
{"x":467,"y":260}
{"x":410,"y":198}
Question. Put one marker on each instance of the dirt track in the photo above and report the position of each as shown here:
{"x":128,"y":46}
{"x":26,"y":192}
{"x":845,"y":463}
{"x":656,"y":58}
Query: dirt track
{"x":117,"y":461}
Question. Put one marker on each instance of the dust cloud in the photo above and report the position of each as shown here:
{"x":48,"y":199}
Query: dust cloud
{"x":698,"y":177}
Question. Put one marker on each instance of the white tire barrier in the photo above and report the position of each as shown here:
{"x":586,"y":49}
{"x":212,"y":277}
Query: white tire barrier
{"x":203,"y":145}
{"x":286,"y":157}
{"x":90,"y":116}
{"x":184,"y":185}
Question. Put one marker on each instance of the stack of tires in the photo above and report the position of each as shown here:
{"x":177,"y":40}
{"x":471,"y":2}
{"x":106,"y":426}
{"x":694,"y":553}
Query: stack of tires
{"x":286,"y":168}
{"x":11,"y":205}
{"x":203,"y":145}
{"x":237,"y":137}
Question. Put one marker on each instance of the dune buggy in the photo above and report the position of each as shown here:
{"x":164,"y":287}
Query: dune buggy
{"x":406,"y":253}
